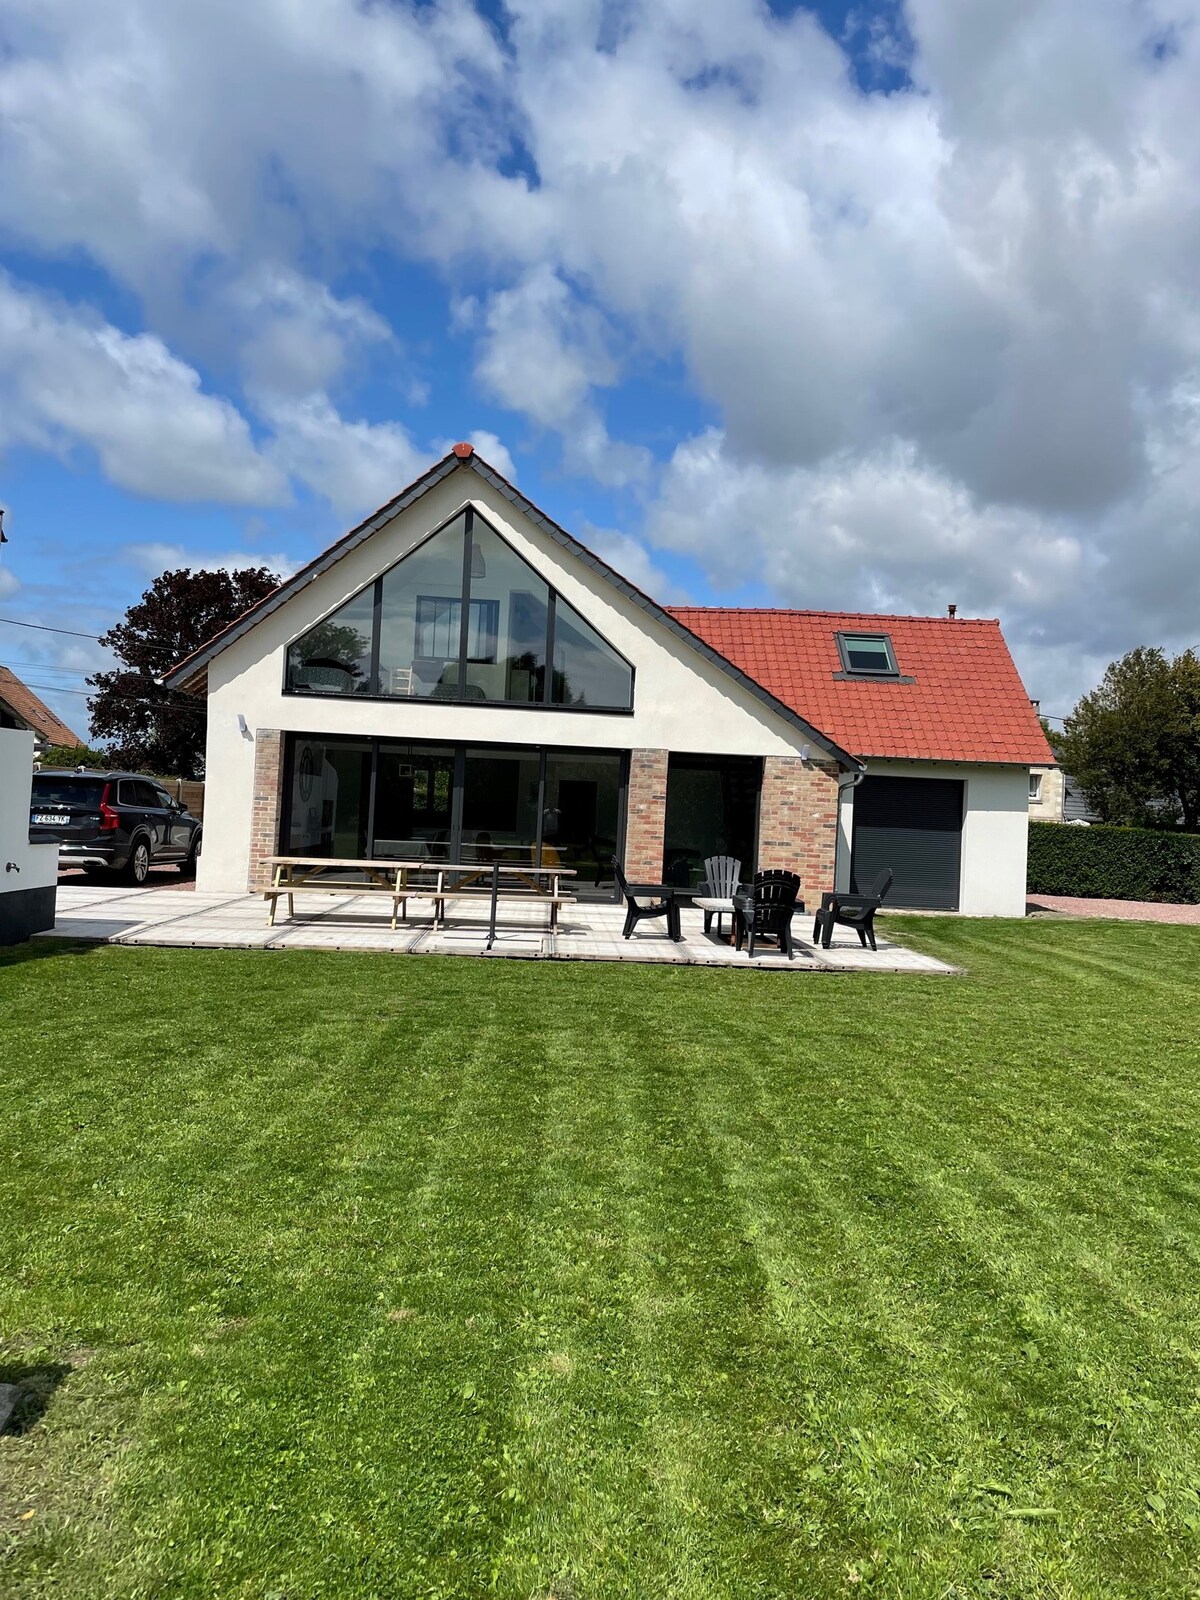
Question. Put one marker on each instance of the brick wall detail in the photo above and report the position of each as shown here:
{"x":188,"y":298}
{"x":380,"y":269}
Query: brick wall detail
{"x":798,"y":821}
{"x":267,"y":804}
{"x":646,"y":815}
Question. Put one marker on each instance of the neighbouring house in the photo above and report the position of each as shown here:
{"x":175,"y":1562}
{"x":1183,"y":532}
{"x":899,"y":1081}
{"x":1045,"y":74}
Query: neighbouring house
{"x":21,"y":708}
{"x":459,"y":677}
{"x":1054,"y":796}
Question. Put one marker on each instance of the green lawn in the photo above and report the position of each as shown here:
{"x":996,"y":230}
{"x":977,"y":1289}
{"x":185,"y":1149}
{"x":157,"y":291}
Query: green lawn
{"x":367,"y":1277}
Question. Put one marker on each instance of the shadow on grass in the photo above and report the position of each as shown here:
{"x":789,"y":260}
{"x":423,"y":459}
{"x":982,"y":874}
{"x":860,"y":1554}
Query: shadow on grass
{"x":16,"y":955}
{"x":26,"y":1393}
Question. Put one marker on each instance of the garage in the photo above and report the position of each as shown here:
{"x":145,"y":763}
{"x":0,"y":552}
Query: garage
{"x":913,"y":826}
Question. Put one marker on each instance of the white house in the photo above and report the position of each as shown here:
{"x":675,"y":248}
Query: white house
{"x":459,"y":675}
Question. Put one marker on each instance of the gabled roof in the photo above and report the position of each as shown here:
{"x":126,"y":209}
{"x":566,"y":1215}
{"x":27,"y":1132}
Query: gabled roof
{"x":959,"y":696}
{"x":191,"y":672}
{"x":25,"y":706}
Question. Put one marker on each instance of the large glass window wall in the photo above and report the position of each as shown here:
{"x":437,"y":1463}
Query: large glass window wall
{"x":463,"y":617}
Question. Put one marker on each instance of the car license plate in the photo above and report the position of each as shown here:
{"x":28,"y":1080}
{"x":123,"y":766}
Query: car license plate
{"x":58,"y":822}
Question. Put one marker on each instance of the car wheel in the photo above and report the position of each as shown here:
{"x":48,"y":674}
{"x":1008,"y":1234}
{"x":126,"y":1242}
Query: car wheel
{"x":187,"y":867}
{"x":137,"y":868}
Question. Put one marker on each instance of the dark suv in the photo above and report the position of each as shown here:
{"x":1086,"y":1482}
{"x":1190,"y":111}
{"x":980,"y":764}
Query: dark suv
{"x":112,"y":822}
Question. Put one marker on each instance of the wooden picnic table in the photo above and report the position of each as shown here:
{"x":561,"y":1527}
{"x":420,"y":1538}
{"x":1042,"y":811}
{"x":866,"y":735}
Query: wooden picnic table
{"x":410,"y":880}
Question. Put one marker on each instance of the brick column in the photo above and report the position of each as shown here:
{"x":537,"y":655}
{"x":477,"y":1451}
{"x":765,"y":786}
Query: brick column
{"x":267,"y":805}
{"x":646,"y":815}
{"x":798,"y":821}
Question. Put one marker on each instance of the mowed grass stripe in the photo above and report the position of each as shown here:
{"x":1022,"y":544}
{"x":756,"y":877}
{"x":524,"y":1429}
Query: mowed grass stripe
{"x":453,"y":1278}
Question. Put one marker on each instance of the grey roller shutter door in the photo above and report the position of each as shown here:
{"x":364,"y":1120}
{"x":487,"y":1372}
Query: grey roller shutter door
{"x":914,"y":827}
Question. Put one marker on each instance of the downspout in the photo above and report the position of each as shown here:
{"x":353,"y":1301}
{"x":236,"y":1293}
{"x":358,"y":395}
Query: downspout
{"x":850,"y":780}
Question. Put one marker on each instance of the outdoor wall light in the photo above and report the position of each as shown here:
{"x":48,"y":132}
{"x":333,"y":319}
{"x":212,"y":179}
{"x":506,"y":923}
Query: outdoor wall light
{"x":243,"y":727}
{"x":804,"y":752}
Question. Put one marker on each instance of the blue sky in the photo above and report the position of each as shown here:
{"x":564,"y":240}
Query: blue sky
{"x":870,"y":306}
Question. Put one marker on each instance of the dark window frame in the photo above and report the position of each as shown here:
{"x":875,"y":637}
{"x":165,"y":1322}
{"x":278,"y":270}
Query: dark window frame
{"x":468,"y":514}
{"x":845,"y":642}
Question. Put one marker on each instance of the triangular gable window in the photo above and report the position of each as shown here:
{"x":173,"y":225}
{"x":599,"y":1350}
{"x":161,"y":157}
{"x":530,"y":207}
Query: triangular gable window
{"x":463,"y":617}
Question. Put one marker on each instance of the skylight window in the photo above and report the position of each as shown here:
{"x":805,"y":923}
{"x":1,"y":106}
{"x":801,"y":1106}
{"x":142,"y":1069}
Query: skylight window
{"x":867,"y":655}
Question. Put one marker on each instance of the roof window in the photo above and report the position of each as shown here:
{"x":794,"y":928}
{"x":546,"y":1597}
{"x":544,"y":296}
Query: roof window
{"x":867,"y":655}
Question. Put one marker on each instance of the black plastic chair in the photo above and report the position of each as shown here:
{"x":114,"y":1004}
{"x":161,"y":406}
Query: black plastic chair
{"x":766,"y":910}
{"x":656,"y":907}
{"x":853,"y":911}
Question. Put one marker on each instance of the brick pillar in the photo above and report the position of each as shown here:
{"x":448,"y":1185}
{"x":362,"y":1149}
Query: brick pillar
{"x":267,"y":804}
{"x":646,"y":815}
{"x":798,"y":821}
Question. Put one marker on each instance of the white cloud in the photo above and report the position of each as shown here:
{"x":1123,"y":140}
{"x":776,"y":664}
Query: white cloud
{"x":630,"y":557}
{"x":356,"y":466}
{"x":891,"y":532}
{"x":153,"y":557}
{"x":297,"y":335}
{"x":69,"y":379}
{"x":544,"y":352}
{"x":949,"y":333}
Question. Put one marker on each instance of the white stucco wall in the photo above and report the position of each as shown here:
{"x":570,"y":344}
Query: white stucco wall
{"x":34,"y":866}
{"x":681,"y":701}
{"x":995,"y":837}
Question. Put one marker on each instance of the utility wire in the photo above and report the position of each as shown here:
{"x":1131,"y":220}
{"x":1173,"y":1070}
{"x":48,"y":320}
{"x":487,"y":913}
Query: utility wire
{"x":44,"y":627}
{"x":156,"y":705}
{"x":73,"y":633}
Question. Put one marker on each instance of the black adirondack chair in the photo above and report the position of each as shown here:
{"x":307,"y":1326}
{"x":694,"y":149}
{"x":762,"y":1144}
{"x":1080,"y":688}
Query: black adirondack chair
{"x":645,"y":900}
{"x":853,"y":911}
{"x":766,"y":910}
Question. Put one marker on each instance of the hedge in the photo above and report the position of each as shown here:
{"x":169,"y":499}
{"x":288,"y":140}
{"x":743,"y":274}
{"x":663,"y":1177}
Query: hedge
{"x":1106,"y":863}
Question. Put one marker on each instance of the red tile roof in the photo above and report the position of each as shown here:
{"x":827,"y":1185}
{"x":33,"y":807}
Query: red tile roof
{"x":966,"y":701}
{"x":34,"y":713}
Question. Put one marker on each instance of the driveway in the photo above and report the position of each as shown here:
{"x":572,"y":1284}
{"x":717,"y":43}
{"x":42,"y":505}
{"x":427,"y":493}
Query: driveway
{"x":1063,"y":905}
{"x":157,"y":878}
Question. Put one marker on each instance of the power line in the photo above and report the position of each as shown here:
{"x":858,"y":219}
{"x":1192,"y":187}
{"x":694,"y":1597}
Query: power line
{"x":88,"y":694}
{"x":50,"y":666}
{"x":73,"y":633}
{"x":44,"y":627}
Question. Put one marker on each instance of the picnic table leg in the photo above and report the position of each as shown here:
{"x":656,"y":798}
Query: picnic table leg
{"x":495,"y":898}
{"x":275,"y":882}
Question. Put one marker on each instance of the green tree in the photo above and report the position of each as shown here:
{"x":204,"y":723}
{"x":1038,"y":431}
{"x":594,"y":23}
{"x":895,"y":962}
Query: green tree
{"x":151,"y":727}
{"x":1133,"y":744}
{"x":74,"y":755}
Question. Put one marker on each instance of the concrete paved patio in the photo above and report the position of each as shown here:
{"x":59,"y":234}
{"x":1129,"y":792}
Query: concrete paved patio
{"x":587,"y":931}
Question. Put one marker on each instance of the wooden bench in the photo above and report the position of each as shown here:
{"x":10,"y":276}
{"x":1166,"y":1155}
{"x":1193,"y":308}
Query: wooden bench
{"x":309,"y":875}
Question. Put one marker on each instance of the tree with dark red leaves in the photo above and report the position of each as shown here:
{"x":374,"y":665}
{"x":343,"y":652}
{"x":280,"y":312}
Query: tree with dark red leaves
{"x":149,"y":727}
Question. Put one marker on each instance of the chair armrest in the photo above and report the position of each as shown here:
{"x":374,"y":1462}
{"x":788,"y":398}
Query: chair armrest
{"x":854,"y":902}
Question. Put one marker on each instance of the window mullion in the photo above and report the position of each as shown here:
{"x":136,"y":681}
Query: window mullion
{"x":464,"y":627}
{"x":548,"y":682}
{"x":374,"y":685}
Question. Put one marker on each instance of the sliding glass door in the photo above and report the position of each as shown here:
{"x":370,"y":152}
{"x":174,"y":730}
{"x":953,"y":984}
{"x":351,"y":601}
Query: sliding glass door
{"x":520,"y":804}
{"x":329,"y":810}
{"x":414,"y":802}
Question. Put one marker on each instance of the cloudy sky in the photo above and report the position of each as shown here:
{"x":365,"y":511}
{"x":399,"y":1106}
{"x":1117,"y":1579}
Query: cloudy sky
{"x":878,"y":306}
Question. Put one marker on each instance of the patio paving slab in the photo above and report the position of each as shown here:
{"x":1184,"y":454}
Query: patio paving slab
{"x":587,"y":931}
